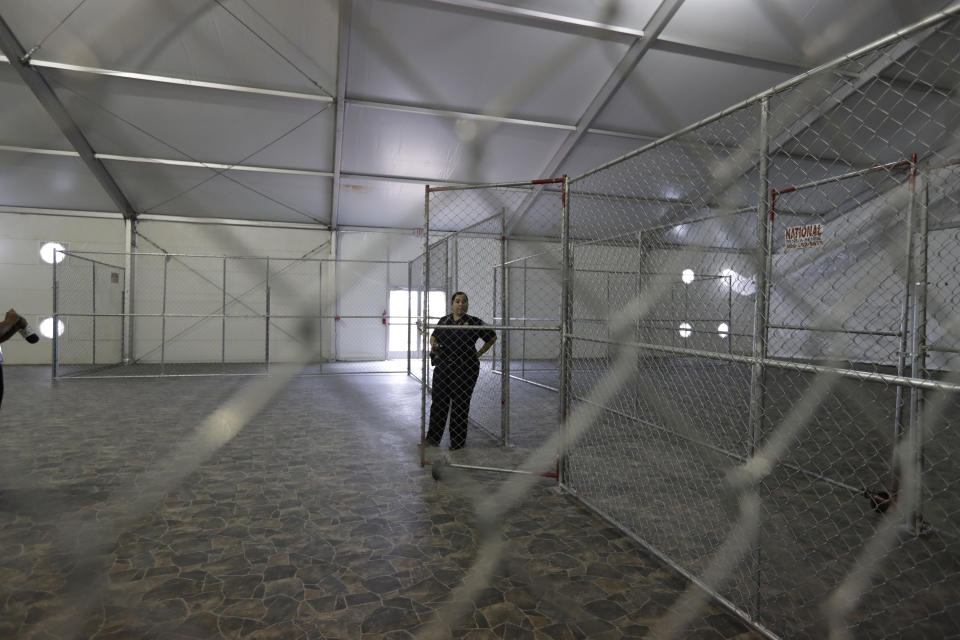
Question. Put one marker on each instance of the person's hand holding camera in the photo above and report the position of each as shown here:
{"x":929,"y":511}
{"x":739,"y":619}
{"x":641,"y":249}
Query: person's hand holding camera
{"x":19,"y":324}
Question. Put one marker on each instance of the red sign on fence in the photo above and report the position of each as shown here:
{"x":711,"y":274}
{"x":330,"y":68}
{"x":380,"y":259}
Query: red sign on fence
{"x":804,"y":236}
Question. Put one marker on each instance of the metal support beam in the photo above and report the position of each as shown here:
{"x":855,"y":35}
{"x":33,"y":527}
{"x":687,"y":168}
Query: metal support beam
{"x":659,"y":20}
{"x":443,"y":112}
{"x":343,"y":66}
{"x":602,"y":31}
{"x":16,"y":54}
{"x":664,"y":12}
{"x":186,"y":82}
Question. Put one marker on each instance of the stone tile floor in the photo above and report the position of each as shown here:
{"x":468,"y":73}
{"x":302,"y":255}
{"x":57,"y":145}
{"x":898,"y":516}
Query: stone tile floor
{"x":315,"y":521}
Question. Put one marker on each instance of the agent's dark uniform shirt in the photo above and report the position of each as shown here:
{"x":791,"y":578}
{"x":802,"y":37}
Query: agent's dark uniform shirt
{"x":457,"y":369}
{"x":460,"y":343}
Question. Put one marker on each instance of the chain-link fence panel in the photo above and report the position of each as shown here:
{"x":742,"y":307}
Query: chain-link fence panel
{"x":472,"y":226}
{"x":833,"y":530}
{"x":89,"y":308}
{"x":857,"y":225}
{"x":436,"y":295}
{"x":657,"y":456}
{"x":848,"y":281}
{"x":699,"y":281}
{"x":794,"y":269}
{"x":298,"y":330}
{"x":535,"y":294}
{"x":669,"y":237}
{"x":938,"y":256}
{"x":362,"y":302}
{"x":214,"y":315}
{"x":417,"y":364}
{"x":147,"y":307}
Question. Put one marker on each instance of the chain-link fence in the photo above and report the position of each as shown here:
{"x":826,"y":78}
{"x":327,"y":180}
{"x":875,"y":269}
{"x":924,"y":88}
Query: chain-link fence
{"x":759,"y":309}
{"x":467,"y":249}
{"x":178,"y":314}
{"x":89,"y":305}
{"x":790,"y":270}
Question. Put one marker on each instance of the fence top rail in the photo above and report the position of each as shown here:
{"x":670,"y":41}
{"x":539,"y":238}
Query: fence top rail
{"x":927,"y":22}
{"x":83,"y":254}
{"x":552,"y":252}
{"x":527,"y":184}
{"x":494,"y":327}
{"x":79,"y":256}
{"x":890,"y":166}
{"x":717,"y":216}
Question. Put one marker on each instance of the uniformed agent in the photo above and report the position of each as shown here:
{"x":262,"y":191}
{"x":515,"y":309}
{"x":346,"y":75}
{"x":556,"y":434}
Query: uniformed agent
{"x":457,"y":365}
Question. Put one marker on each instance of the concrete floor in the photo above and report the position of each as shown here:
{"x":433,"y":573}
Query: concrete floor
{"x":314,"y":521}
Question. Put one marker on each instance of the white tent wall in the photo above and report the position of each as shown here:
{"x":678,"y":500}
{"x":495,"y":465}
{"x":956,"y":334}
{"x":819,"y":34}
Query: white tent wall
{"x":607,"y":276}
{"x":370,"y":265}
{"x":477,"y":281}
{"x":535,"y":296}
{"x":195,"y":288}
{"x":723,"y":290}
{"x":944,"y":295}
{"x":27,"y":280}
{"x":859,"y":267}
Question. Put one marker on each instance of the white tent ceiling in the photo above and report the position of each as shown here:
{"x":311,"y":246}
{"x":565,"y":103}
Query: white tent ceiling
{"x":336,"y":112}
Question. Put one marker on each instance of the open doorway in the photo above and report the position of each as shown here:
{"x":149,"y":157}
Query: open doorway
{"x":402,"y":303}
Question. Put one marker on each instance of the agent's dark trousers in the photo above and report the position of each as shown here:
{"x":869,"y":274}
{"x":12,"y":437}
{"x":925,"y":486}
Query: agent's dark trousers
{"x":452,"y":388}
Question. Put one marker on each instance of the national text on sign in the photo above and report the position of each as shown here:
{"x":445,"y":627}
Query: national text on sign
{"x":804,"y":236}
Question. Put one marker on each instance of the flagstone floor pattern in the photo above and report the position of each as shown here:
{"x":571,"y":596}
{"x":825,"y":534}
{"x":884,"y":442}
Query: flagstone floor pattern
{"x":314,"y":521}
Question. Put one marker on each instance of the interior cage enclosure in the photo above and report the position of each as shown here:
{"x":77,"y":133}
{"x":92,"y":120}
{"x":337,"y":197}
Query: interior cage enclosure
{"x":768,"y":294}
{"x":471,"y":237}
{"x":166,"y":314}
{"x":762,"y":303}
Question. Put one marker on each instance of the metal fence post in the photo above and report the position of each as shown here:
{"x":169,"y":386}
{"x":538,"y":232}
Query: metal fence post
{"x":455,"y":265}
{"x":729,"y":313}
{"x":505,"y":350}
{"x":764,"y":266}
{"x":123,"y":320}
{"x":266,"y":328}
{"x":93,"y":312}
{"x":336,"y":300}
{"x":132,"y":307}
{"x":566,"y":318}
{"x":55,"y":353}
{"x":638,"y":333}
{"x":130,"y":241}
{"x":223,"y":318}
{"x":319,"y":334}
{"x":163,"y":316}
{"x":409,"y":315}
{"x":904,"y":332}
{"x":918,"y":362}
{"x":523,"y":338}
{"x":424,"y":352}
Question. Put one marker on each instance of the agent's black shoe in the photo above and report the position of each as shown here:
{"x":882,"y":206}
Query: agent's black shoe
{"x":431,"y":443}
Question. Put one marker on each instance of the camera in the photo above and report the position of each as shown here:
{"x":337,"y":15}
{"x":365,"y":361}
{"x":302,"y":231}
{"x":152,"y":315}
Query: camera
{"x":29,"y":334}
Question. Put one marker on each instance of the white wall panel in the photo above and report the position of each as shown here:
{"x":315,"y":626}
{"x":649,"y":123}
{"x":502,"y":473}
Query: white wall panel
{"x":27,"y":282}
{"x":943,"y":299}
{"x":362,"y":286}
